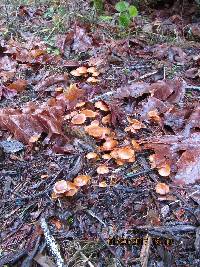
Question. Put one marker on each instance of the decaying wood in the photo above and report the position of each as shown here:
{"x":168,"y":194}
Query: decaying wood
{"x":51,"y":243}
{"x":145,"y":251}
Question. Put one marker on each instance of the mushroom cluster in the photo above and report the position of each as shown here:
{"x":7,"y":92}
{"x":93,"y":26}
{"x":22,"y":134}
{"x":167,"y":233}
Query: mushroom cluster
{"x":85,"y":72}
{"x":67,"y":188}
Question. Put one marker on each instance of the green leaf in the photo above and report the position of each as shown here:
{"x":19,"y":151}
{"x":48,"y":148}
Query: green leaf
{"x":98,"y":4}
{"x":124,"y":20}
{"x":122,"y":6}
{"x":133,"y":11}
{"x":105,"y":18}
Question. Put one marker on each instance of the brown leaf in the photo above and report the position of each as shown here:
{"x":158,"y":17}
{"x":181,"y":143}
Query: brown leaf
{"x":153,"y":104}
{"x":54,"y":79}
{"x":167,"y":152}
{"x":73,"y":93}
{"x":172,"y":91}
{"x":134,"y":90}
{"x":188,"y":167}
{"x":18,"y":86}
{"x":192,"y":73}
{"x":33,"y":120}
{"x":82,"y":42}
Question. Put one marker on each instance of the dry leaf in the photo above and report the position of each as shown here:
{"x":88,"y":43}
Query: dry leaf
{"x":19,"y":85}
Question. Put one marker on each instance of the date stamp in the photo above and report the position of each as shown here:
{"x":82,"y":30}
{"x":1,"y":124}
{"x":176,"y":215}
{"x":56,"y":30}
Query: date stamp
{"x":138,"y":241}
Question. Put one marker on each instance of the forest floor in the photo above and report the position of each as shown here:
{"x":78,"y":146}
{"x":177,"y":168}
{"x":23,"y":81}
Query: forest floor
{"x":99,"y":136}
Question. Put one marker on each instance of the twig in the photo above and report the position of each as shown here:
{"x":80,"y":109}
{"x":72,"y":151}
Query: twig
{"x":164,"y":72}
{"x":96,"y":217}
{"x":143,"y":162}
{"x":144,"y":254}
{"x":48,"y":189}
{"x":28,"y":261}
{"x":133,"y":175}
{"x":197,"y":241}
{"x":12,"y":258}
{"x":146,"y":75}
{"x":191,"y":87}
{"x":179,"y":200}
{"x":172,"y":229}
{"x":99,"y":97}
{"x":51,"y":243}
{"x":86,"y":260}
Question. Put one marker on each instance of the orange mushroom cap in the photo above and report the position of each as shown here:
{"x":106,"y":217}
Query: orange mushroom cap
{"x":109,"y":144}
{"x":81,"y":180}
{"x":102,"y":169}
{"x":82,"y":70}
{"x":89,"y":113}
{"x":162,"y":188}
{"x":91,"y":155}
{"x":79,"y":119}
{"x":101,"y":105}
{"x":62,"y":186}
{"x":164,"y":170}
{"x":97,"y":131}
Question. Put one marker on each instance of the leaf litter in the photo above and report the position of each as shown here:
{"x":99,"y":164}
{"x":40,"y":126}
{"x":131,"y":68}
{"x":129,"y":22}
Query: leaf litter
{"x":90,"y":150}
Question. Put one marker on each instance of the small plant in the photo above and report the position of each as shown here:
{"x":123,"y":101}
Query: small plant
{"x":126,"y":13}
{"x":98,"y":4}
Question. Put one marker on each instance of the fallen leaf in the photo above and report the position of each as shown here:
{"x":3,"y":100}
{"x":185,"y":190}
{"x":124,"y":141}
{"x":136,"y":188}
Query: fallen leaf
{"x":18,"y":86}
{"x":51,"y":80}
{"x":57,"y":223}
{"x":82,"y":42}
{"x":73,"y":93}
{"x":188,"y":167}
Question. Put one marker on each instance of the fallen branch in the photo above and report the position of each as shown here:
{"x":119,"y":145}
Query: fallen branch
{"x":29,"y":259}
{"x":12,"y":258}
{"x":51,"y":243}
{"x":144,"y":254}
{"x":101,"y":97}
{"x":191,"y":87}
